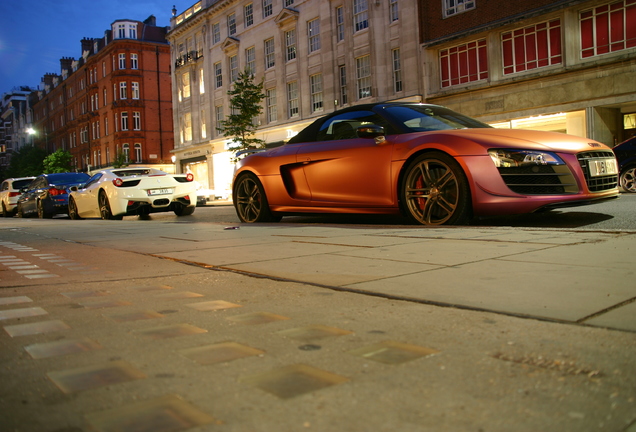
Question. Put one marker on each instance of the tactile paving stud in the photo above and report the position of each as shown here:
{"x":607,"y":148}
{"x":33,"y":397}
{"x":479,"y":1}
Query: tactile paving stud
{"x":220,"y":353}
{"x":168,"y":413}
{"x":392,"y":352}
{"x":36,"y":328}
{"x":256,"y":318}
{"x":22,"y":313}
{"x":314,"y":332}
{"x":14,"y":300}
{"x":171,"y":331}
{"x":295,"y":380}
{"x":213,"y":305}
{"x":135,"y":316}
{"x":74,"y":380}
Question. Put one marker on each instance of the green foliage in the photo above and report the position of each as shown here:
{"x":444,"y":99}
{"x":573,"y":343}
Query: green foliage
{"x":57,"y":162}
{"x":120,"y":160}
{"x":26,"y":162}
{"x":245,"y":99}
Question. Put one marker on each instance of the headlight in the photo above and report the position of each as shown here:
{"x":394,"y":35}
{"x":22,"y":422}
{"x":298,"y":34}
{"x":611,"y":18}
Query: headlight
{"x":504,"y":158}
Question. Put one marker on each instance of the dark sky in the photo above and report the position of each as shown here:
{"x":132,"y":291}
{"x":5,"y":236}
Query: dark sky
{"x":36,"y":34}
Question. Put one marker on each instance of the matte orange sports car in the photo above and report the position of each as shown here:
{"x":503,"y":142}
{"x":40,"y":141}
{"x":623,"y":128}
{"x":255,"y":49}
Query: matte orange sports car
{"x":425,"y":161}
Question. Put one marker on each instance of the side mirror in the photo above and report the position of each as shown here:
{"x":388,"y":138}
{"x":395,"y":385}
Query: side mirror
{"x":73,"y":188}
{"x":372,"y":131}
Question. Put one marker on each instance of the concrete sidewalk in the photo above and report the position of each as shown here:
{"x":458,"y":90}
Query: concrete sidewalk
{"x":129,"y":325}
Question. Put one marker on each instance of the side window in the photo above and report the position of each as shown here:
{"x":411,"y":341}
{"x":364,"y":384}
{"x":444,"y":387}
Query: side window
{"x":93,"y":179}
{"x":344,"y":126}
{"x":5,"y":186}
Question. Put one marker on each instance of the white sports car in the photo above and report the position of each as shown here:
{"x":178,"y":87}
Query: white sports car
{"x":115,"y":193}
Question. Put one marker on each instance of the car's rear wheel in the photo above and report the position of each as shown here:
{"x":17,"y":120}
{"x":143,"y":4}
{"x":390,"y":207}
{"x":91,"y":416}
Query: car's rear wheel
{"x":435,"y":191}
{"x":628,"y":180}
{"x":250,"y":200}
{"x":19,"y":211}
{"x":72,"y":209}
{"x":183,"y":210}
{"x":42,"y":213}
{"x":104,"y":208}
{"x":5,"y":213}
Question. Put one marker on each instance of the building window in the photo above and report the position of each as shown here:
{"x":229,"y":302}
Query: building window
{"x":201,"y":82}
{"x":218,"y":75}
{"x":103,"y":69}
{"x":122,"y":61}
{"x":204,"y":129}
{"x":124,"y":121}
{"x":313,"y":34}
{"x":267,"y":8}
{"x":250,"y":60}
{"x":342,"y":70}
{"x":532,"y":47}
{"x":453,"y":7}
{"x":289,"y":2}
{"x":464,"y":63}
{"x":123,"y":91}
{"x":105,"y":96}
{"x":290,"y":44}
{"x":233,"y":68}
{"x":134,"y":61}
{"x":185,"y":80}
{"x":231,"y":24}
{"x":132,"y":31}
{"x":125,"y":148}
{"x":393,"y":10}
{"x":136,"y":120}
{"x":270,"y":51}
{"x":134,"y":90}
{"x":340,"y":27}
{"x":270,"y":100}
{"x":363,"y":74}
{"x":248,"y":11}
{"x":315,"y":84}
{"x":121,"y":31}
{"x":216,"y":33}
{"x":360,"y":15}
{"x":187,"y":127}
{"x":608,"y":28}
{"x":292,"y":99}
{"x":397,"y":71}
{"x":106,"y":126}
{"x":218,"y":115}
{"x":138,"y":157}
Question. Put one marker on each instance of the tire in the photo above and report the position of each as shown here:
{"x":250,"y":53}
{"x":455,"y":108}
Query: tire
{"x":42,"y":213}
{"x":72,"y":210}
{"x":250,"y":200}
{"x":104,"y":208}
{"x":183,"y":210}
{"x":628,"y":179}
{"x":5,"y":213}
{"x":19,"y":211}
{"x":435,"y":191}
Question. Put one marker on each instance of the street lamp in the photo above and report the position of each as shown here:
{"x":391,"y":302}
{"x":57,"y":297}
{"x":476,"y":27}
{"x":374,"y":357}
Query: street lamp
{"x":30,"y":131}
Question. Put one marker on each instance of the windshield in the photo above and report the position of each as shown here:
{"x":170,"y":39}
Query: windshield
{"x":67,"y":178}
{"x":424,"y":118}
{"x":19,"y":184}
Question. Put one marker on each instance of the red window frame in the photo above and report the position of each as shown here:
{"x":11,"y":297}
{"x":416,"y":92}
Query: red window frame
{"x":532,"y":47}
{"x":465,"y":63}
{"x":608,"y":28}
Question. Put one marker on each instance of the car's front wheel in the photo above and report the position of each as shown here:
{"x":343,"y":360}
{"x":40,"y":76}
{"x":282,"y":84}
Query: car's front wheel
{"x":72,"y":209}
{"x":628,"y":180}
{"x":104,"y":208}
{"x":250,"y":200}
{"x":435,"y":191}
{"x":42,"y":213}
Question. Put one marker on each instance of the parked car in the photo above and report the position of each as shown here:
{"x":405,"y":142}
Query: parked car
{"x":428,"y":162}
{"x":115,"y":193}
{"x":626,"y":155}
{"x":10,"y":192}
{"x":47,"y":194}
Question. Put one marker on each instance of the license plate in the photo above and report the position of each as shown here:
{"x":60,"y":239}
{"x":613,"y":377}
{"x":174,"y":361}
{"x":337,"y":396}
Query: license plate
{"x":601,"y":167}
{"x":153,"y":192}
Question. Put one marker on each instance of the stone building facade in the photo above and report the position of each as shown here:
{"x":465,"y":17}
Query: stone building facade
{"x":114,"y":101}
{"x":313,"y":57}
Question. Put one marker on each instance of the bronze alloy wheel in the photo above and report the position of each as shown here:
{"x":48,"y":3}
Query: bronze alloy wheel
{"x":250,"y":200}
{"x":435,"y":191}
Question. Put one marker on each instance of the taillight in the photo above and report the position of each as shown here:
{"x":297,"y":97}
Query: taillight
{"x":14,"y":194}
{"x":189,"y":177}
{"x":118,"y":182}
{"x":56,"y":191}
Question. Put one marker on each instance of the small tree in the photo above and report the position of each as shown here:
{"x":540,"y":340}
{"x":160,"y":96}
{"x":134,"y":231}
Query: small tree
{"x":57,"y":162}
{"x":120,"y":161}
{"x":245,"y":100}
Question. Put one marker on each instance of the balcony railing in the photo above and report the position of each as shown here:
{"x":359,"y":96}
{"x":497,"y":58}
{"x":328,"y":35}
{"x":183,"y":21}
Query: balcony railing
{"x":189,"y":57}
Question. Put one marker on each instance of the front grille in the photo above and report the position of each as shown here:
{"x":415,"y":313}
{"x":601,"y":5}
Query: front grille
{"x":539,"y":179}
{"x":599,"y":183}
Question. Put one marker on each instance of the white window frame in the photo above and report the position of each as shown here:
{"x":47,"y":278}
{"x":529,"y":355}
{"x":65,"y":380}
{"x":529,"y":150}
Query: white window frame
{"x":315,"y":85}
{"x":313,"y":35}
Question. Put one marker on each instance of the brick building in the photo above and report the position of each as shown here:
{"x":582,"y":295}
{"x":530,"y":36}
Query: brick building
{"x":114,"y":101}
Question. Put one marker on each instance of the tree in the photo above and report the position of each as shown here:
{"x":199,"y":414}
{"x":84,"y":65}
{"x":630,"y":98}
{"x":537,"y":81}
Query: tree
{"x":245,"y":100}
{"x":57,"y":162}
{"x":120,"y":160}
{"x":26,"y":162}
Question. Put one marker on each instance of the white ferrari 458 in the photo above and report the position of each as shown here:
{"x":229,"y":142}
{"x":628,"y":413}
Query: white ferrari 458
{"x":115,"y":193}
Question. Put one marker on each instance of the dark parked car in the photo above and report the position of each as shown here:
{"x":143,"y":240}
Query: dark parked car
{"x":47,"y":195}
{"x":626,"y":154}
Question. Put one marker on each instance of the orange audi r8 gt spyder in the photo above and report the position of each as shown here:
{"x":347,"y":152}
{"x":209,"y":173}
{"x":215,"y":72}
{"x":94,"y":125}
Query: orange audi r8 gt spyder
{"x":425,"y":161}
